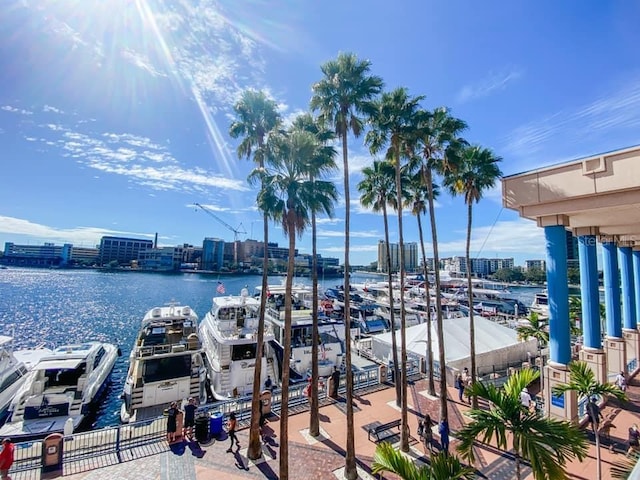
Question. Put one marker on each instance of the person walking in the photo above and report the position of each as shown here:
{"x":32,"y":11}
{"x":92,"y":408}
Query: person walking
{"x":425,"y":432}
{"x":335,"y":382}
{"x":634,"y":439}
{"x":172,"y":414}
{"x":621,"y":381}
{"x":525,"y":398}
{"x":268,"y":384}
{"x":443,"y":430}
{"x":460,"y":386}
{"x":6,"y":458}
{"x":189,"y":418}
{"x":232,"y":424}
{"x":593,"y":414}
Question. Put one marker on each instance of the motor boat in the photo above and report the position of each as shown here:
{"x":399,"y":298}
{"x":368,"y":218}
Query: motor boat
{"x":165,"y":364}
{"x":229,"y":333}
{"x":60,"y":390}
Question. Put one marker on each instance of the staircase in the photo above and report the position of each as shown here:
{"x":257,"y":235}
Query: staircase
{"x":225,"y":373}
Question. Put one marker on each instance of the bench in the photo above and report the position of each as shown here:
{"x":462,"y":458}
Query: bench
{"x":385,"y":430}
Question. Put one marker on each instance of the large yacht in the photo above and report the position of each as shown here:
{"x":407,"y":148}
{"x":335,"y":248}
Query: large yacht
{"x":331,"y":332}
{"x":14,"y":366}
{"x":229,"y":333}
{"x":165,"y":364}
{"x":60,"y":390}
{"x":540,"y":304}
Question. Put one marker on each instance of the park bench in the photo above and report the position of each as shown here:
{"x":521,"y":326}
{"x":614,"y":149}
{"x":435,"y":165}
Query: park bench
{"x":383,"y":431}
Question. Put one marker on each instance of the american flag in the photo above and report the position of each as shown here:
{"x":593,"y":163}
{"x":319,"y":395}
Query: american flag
{"x":220,"y":289}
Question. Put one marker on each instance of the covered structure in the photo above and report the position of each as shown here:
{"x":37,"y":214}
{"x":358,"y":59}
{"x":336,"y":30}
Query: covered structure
{"x":598,"y":199}
{"x":497,"y":346}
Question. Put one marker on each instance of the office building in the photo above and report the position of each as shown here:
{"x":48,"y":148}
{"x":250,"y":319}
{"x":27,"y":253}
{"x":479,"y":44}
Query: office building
{"x":122,"y":250}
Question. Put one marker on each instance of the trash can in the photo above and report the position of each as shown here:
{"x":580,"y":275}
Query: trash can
{"x":215,"y":424}
{"x":52,"y":453}
{"x":202,"y":429}
{"x":265,"y":398}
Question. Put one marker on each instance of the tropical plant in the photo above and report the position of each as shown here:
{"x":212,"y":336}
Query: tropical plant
{"x":441,"y":466}
{"x":418,"y":201}
{"x":341,"y":97}
{"x":546,"y":443}
{"x":377,"y":190}
{"x":623,"y":468}
{"x":575,"y":315}
{"x":476,"y":171}
{"x":392,"y":125}
{"x":582,"y":380}
{"x":288,"y":196}
{"x":322,"y":162}
{"x":437,"y":140}
{"x":256,"y":118}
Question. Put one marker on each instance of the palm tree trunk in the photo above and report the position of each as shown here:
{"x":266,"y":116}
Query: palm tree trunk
{"x":350,"y":471}
{"x":472,"y":325}
{"x":444,"y":414}
{"x":284,"y":405}
{"x":598,"y":459}
{"x":431,"y":387}
{"x":518,"y":473}
{"x":404,"y":437}
{"x":314,"y":420}
{"x":394,"y":346}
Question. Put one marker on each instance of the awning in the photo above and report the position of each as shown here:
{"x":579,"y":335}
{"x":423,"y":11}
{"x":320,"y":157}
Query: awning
{"x":61,"y":364}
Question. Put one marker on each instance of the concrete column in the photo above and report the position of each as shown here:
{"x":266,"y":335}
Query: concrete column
{"x":591,"y":353}
{"x":629,"y":327}
{"x":564,"y":406}
{"x":636,"y":279}
{"x":615,"y":347}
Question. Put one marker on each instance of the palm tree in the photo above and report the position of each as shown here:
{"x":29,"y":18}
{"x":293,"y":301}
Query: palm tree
{"x":547,"y":444}
{"x":322,"y":162}
{"x":538,"y":329}
{"x":288,"y":196}
{"x":418,"y":201}
{"x":437,"y":138}
{"x":256,"y":118}
{"x":583,"y":381}
{"x":341,"y":97}
{"x":441,"y":466}
{"x":476,"y":171}
{"x":393,"y":122}
{"x":377,"y":190}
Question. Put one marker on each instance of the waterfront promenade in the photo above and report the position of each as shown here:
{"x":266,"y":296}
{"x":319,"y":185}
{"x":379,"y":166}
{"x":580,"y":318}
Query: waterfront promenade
{"x":323,"y":458}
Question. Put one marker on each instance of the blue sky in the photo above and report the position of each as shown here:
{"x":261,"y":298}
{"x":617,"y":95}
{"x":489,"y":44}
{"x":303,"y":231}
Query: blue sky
{"x":114,"y":113}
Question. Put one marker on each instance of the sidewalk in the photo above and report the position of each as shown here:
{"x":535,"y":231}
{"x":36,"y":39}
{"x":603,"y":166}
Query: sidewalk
{"x":322,"y":458}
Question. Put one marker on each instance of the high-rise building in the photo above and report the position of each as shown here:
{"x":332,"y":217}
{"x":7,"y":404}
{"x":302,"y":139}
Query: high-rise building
{"x":410,"y":256}
{"x":212,"y":254}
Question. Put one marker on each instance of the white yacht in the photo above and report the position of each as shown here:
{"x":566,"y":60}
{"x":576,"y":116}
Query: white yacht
{"x":60,"y":390}
{"x":331,"y":332}
{"x":540,"y":304}
{"x":14,"y":366}
{"x":229,"y":334}
{"x":165,"y":364}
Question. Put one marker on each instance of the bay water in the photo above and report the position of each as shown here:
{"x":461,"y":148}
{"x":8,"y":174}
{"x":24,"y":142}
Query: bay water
{"x":58,"y":307}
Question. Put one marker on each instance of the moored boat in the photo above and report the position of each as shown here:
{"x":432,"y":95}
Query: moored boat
{"x":165,"y":364}
{"x":60,"y":390}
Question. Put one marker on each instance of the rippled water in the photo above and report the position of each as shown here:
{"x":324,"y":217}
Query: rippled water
{"x":58,"y":307}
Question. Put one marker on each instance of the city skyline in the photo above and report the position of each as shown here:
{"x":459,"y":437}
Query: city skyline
{"x":114,"y":114}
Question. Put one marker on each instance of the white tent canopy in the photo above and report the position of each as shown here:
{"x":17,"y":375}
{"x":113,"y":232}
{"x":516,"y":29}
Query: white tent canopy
{"x":496,"y":345}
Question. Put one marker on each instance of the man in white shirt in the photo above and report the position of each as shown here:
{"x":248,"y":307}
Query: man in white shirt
{"x":525,"y":398}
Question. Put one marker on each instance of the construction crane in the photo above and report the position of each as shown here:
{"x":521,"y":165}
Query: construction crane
{"x":236,"y":231}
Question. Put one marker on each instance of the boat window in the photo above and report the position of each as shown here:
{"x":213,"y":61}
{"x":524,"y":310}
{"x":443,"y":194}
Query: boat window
{"x":59,"y":377}
{"x":10,"y":380}
{"x":101,"y":352}
{"x":160,"y":369}
{"x":244,"y":352}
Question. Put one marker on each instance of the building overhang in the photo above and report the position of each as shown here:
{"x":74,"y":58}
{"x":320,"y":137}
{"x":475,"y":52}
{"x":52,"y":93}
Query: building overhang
{"x":600,"y":192}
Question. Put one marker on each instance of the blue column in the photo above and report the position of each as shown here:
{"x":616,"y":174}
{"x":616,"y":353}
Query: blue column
{"x":589,"y":291}
{"x":636,"y":281}
{"x":558,"y":288}
{"x":628,"y":293}
{"x":611,"y":289}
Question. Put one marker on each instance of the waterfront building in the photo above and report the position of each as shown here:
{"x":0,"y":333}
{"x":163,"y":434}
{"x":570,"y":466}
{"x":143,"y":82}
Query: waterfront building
{"x":84,"y":255}
{"x":212,"y":254}
{"x":535,"y":264}
{"x":410,"y":256}
{"x":163,"y":259}
{"x":121,"y":249}
{"x":46,"y":255}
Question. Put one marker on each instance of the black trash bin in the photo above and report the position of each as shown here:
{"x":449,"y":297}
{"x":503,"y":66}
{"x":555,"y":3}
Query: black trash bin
{"x":202,"y":429}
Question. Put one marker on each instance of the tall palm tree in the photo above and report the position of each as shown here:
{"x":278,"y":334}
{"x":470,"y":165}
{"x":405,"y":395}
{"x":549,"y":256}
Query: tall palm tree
{"x":437,"y":138}
{"x":341,"y":97}
{"x":583,"y":381}
{"x":441,"y":466}
{"x":256,"y":118}
{"x":288,"y":196}
{"x":418,"y":193}
{"x":538,"y":329}
{"x":377,"y":190}
{"x":547,"y":444}
{"x":320,"y":163}
{"x":477,"y":170}
{"x":393,"y":122}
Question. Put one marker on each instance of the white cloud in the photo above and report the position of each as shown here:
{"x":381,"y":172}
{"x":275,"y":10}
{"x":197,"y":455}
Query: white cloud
{"x":494,"y":82}
{"x":49,"y":108}
{"x":77,"y":236}
{"x":21,"y":111}
{"x":322,"y":233}
{"x":572,"y":130}
{"x":142,"y":61}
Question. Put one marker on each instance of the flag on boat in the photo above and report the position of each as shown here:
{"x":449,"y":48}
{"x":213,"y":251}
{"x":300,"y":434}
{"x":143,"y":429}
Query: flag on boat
{"x":323,"y":352}
{"x":220,"y":289}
